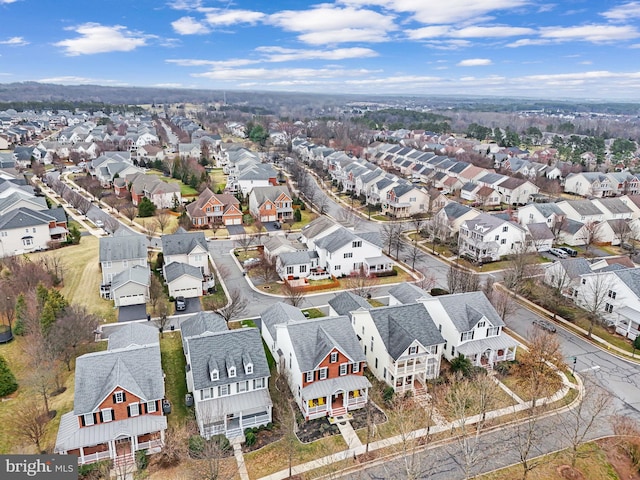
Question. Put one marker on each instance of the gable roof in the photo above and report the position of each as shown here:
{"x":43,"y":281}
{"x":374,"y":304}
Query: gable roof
{"x":25,"y":217}
{"x":132,"y":334}
{"x":346,"y":302}
{"x":182,"y":242}
{"x":336,"y":240}
{"x":262,"y":194}
{"x":407,"y":293}
{"x":123,"y":246}
{"x":540,"y":231}
{"x":400,"y":325}
{"x":631,"y":278}
{"x":314,"y":339}
{"x":574,"y":267}
{"x":279,"y":313}
{"x":317,"y":226}
{"x":297,"y":258}
{"x":175,"y":270}
{"x":584,"y":207}
{"x":465,"y":309}
{"x":136,"y":274}
{"x":455,"y":210}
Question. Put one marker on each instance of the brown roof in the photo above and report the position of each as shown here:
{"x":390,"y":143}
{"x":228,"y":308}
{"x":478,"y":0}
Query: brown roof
{"x":621,"y":260}
{"x":512,"y":183}
{"x":485,"y":191}
{"x":194,"y":209}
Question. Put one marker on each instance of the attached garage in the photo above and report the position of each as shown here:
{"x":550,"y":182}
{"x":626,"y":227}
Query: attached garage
{"x":126,"y":300}
{"x":131,"y":286}
{"x":183,"y":280}
{"x":233,"y":221}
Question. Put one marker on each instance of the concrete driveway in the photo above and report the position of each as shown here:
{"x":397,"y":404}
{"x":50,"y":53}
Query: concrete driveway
{"x":271,"y":226}
{"x":193,"y":305}
{"x":132,"y":312}
{"x":235,"y":229}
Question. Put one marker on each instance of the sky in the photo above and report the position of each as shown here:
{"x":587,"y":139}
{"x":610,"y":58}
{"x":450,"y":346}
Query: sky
{"x":584,"y":49}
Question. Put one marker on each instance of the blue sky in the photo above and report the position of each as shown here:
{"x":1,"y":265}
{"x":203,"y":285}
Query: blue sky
{"x":588,"y":49}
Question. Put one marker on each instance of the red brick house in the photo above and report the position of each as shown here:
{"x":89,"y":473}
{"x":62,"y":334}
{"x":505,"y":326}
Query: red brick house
{"x":214,"y":208}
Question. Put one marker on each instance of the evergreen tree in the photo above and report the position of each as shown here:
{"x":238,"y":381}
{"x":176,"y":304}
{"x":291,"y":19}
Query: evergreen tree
{"x":146,"y":208}
{"x":8,"y":383}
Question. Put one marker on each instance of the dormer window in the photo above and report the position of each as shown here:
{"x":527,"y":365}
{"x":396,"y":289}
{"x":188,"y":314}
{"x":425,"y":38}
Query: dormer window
{"x":248,"y":369}
{"x":413,"y":350}
{"x":481,"y":324}
{"x":334,"y":357}
{"x":232,"y":372}
{"x":215,"y":375}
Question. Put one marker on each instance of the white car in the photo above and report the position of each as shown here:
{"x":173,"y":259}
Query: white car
{"x":98,"y":223}
{"x":558,"y":253}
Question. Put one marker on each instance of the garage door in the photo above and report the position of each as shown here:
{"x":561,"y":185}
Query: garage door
{"x":187,"y":292}
{"x":233,"y":221}
{"x":269,"y":218}
{"x":125,"y":300}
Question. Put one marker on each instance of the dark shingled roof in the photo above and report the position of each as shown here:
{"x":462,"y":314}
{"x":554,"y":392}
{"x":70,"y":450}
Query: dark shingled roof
{"x":346,"y":302}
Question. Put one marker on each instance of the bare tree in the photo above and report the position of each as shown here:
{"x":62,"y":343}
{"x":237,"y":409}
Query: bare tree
{"x":522,"y":265}
{"x":234,"y":307}
{"x":82,"y":203}
{"x":504,"y":304}
{"x":163,"y":315}
{"x":591,"y":234}
{"x":360,"y":283}
{"x":583,"y":418}
{"x":29,"y":421}
{"x":414,"y":254}
{"x":266,"y":268}
{"x":594,"y":297}
{"x":427,"y":281}
{"x":156,"y":292}
{"x":559,"y":225}
{"x":623,"y":231}
{"x":162,"y":221}
{"x":111,"y":224}
{"x":243,"y":241}
{"x":130,"y":211}
{"x":461,"y":280}
{"x":293,"y":295}
{"x":75,"y":327}
{"x":392,"y":237}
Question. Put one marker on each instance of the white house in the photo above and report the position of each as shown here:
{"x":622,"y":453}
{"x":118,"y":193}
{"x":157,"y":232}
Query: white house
{"x":131,"y":286}
{"x":471,"y":327}
{"x":588,"y":184}
{"x":405,"y":200}
{"x":516,"y":191}
{"x":449,"y":219}
{"x":186,"y":247}
{"x":565,"y":275}
{"x":183,"y":280}
{"x":119,"y":252}
{"x":489,"y":237}
{"x":547,"y":213}
{"x":228,"y":375}
{"x":24,"y":230}
{"x":401,"y":343}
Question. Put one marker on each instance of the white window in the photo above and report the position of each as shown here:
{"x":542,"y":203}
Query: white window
{"x":608,"y":308}
{"x":371,"y":344}
{"x":107,"y":415}
{"x":107,"y":264}
{"x":223,"y":390}
{"x":343,"y":368}
{"x":151,"y":407}
{"x":355,"y":368}
{"x":249,"y":369}
{"x":243,"y":386}
{"x":215,"y":375}
{"x":334,"y":357}
{"x":323,"y":373}
{"x":309,"y":376}
{"x":481,"y":324}
{"x":232,"y":372}
{"x":258,"y":383}
{"x":3,"y":234}
{"x":337,"y":267}
{"x":303,"y":269}
{"x":206,"y":394}
{"x":356,"y":244}
{"x":413,"y":350}
{"x":612,"y":294}
{"x":88,"y":419}
{"x":348,"y":255}
{"x":466,"y":336}
{"x":118,"y":397}
{"x":505,"y":229}
{"x":497,"y":237}
{"x":503,"y":241}
{"x":493,"y":331}
{"x":289,"y":270}
{"x":27,"y":241}
{"x":134,"y":409}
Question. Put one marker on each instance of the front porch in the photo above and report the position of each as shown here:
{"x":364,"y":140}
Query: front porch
{"x":120,"y":450}
{"x":379,"y":264}
{"x":335,"y":396}
{"x":486,"y":352}
{"x":628,"y":324}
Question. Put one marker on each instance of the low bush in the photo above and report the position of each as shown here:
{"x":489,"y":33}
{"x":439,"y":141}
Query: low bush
{"x":438,"y":291}
{"x":250,"y":438}
{"x":142,"y":461}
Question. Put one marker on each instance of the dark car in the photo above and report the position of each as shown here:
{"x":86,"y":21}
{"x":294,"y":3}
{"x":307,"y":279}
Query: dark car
{"x":181,"y":304}
{"x":548,"y":326}
{"x":277,"y":225}
{"x":570,"y":251}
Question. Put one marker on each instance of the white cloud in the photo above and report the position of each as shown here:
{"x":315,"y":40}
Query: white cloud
{"x":590,"y":33}
{"x":185,"y":4}
{"x":168,"y":85}
{"x":290,"y":74}
{"x":96,"y":38}
{"x":624,"y":12}
{"x":474,"y":62}
{"x":77,"y":80}
{"x":189,"y":26}
{"x":7,"y":2}
{"x":448,"y":44}
{"x":449,"y":12}
{"x":231,"y":63}
{"x":224,"y":17}
{"x":279,"y":54}
{"x":15,"y":42}
{"x":468,"y":32}
{"x":328,"y":24}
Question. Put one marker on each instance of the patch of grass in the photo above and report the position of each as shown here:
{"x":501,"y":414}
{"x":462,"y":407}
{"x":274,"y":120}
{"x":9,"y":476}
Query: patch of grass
{"x":314,"y":313}
{"x":173,"y":365}
{"x":382,"y":218}
{"x":307,"y":216}
{"x":185,"y":190}
{"x":375,"y":303}
{"x":218,"y":179}
{"x":82,"y":277}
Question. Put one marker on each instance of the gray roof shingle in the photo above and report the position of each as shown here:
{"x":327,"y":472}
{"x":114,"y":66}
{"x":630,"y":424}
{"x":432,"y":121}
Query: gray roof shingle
{"x":465,"y":309}
{"x":175,"y":270}
{"x":182,"y":242}
{"x":123,"y":247}
{"x":279,"y":313}
{"x":407,"y":293}
{"x":346,"y":302}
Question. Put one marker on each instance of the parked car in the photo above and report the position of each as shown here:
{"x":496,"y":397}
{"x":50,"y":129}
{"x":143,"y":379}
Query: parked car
{"x":548,"y":326}
{"x":277,"y":225}
{"x":558,"y":253}
{"x":251,"y":262}
{"x":627,"y":246}
{"x":99,"y":223}
{"x":181,"y":304}
{"x":570,"y":251}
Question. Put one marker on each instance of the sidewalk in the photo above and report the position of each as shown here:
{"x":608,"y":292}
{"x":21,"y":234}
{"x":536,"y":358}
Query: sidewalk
{"x":388,"y":442}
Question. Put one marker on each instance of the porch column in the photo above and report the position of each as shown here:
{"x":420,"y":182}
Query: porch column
{"x":162,"y":437}
{"x":112,"y":449}
{"x":82,"y":454}
{"x":134,"y":443}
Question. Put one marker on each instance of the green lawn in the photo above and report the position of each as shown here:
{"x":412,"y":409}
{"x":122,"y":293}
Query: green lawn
{"x":218,"y":179}
{"x":185,"y":190}
{"x":173,"y":365}
{"x":307,"y":216}
{"x":314,"y":313}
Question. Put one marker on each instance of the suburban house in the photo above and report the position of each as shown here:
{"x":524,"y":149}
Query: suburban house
{"x":401,"y":344}
{"x":581,"y":210}
{"x":616,"y":294}
{"x":405,"y":200}
{"x":404,"y":293}
{"x":540,"y":236}
{"x":589,"y":184}
{"x":186,"y":247}
{"x":131,"y":286}
{"x":321,"y":358}
{"x":277,"y":245}
{"x":117,"y":406}
{"x":471,"y":327}
{"x":228,"y":375}
{"x":214,"y":209}
{"x":271,"y":204}
{"x":487,"y":238}
{"x":446,"y":223}
{"x":24,"y":230}
{"x":346,"y":302}
{"x":119,"y":252}
{"x":316,"y":229}
{"x":162,"y":194}
{"x":516,"y":191}
{"x":548,"y":213}
{"x":302,"y":264}
{"x":565,"y":275}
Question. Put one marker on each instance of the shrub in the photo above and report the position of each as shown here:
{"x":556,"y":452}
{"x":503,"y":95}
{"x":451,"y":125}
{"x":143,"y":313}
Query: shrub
{"x":297,"y":215}
{"x":250,"y":438}
{"x":387,"y":395}
{"x":196,"y":446}
{"x":142,"y":461}
{"x":146,"y":208}
{"x":95,"y":470}
{"x":438,"y":291}
{"x":8,"y":382}
{"x":463,"y":365}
